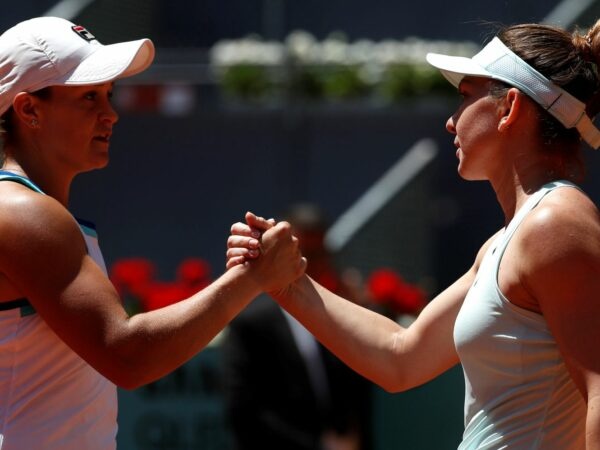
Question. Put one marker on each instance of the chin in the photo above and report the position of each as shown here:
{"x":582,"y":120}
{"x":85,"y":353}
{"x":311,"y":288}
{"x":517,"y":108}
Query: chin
{"x":467,"y":176}
{"x":99,"y":163}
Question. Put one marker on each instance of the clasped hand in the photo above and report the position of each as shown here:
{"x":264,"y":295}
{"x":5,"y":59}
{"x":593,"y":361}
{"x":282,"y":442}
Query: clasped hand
{"x":268,"y":249}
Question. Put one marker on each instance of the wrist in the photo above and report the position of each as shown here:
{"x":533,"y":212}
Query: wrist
{"x":289,"y":294}
{"x":244,"y":275}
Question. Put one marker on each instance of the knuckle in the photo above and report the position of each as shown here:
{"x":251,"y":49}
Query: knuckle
{"x":232,"y":241}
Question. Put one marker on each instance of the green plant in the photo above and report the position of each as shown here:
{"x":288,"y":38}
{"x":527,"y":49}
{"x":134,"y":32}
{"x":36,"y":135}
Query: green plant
{"x":246,"y":81}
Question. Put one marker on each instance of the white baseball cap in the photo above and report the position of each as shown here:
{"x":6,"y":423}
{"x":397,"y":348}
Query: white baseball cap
{"x":497,"y":61}
{"x":49,"y":51}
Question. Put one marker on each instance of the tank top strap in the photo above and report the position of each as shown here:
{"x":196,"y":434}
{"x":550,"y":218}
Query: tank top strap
{"x":527,"y":207}
{"x":9,"y":176}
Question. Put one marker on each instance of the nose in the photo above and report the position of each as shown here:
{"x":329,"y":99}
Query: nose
{"x":450,"y":125}
{"x":109,"y":114}
{"x":106,"y":111}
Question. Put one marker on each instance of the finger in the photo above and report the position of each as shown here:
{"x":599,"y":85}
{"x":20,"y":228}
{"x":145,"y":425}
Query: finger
{"x":242,"y":229}
{"x":257,"y":222}
{"x":303,"y":265}
{"x":234,"y":262}
{"x":246,"y":253}
{"x":242,"y":241}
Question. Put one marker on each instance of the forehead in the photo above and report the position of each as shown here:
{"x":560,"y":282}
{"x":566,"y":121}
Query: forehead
{"x":74,"y":89}
{"x":471,"y":82}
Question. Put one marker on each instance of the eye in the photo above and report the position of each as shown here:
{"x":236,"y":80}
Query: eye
{"x":90,"y":95}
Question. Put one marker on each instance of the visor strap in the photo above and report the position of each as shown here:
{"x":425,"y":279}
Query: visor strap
{"x":567,"y":109}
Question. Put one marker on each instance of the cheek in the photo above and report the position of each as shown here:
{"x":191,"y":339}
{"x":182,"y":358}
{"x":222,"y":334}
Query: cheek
{"x":475,"y":125}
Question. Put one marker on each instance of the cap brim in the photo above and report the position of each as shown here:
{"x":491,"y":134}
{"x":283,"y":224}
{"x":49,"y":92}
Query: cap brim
{"x":113,"y":61}
{"x":454,"y":68}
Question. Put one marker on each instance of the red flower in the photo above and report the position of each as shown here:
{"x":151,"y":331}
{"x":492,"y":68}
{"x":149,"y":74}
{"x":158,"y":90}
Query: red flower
{"x":388,"y":288}
{"x":132,"y":275}
{"x":134,"y":280}
{"x":161,"y":294}
{"x":194,"y":273}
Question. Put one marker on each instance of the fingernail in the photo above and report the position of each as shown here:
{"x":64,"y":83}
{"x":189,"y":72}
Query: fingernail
{"x":253,"y":253}
{"x":256,"y":234}
{"x":253,"y":243}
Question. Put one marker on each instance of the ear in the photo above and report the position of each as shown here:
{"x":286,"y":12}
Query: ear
{"x":510,"y":108}
{"x":25,"y":108}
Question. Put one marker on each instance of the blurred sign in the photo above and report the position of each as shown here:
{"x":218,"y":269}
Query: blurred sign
{"x":182,"y":411}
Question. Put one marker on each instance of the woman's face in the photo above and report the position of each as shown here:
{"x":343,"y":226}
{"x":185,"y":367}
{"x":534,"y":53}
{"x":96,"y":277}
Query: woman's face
{"x":475,"y":126}
{"x":75,"y":125}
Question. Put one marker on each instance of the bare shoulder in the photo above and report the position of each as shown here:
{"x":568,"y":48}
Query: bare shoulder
{"x":559,"y":242}
{"x":565,"y":223}
{"x":34,"y":227}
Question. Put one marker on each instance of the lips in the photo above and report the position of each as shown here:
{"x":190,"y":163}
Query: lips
{"x":103,"y":138}
{"x":457,"y":145}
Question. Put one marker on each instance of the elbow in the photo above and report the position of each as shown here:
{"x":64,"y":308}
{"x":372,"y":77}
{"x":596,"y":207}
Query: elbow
{"x":392,"y":382}
{"x":128,"y":369}
{"x":129,"y":384}
{"x":127,"y":375}
{"x":394,"y":377}
{"x":397,"y":382}
{"x":128,"y":361}
{"x":394,"y":387}
{"x":128,"y":378}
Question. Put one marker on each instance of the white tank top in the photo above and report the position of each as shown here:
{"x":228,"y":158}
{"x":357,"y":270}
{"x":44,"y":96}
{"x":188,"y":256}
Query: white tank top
{"x":519,"y":395}
{"x":50,"y":398}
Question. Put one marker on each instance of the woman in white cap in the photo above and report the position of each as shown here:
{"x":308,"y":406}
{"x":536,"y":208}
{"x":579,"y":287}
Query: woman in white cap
{"x":524,"y":320}
{"x":65,"y":339}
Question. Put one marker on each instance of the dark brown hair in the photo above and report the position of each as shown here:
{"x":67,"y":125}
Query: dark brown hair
{"x":6,"y":121}
{"x":569,"y":60}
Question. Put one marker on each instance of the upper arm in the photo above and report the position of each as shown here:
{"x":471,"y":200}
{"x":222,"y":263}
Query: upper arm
{"x":561,"y":270}
{"x":429,"y":341}
{"x":43,"y":255}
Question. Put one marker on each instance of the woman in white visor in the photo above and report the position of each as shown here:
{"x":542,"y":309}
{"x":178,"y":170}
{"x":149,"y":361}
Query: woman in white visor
{"x":524,"y":320}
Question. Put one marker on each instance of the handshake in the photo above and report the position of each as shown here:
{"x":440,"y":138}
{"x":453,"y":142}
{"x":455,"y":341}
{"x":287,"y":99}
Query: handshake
{"x":267,"y":250}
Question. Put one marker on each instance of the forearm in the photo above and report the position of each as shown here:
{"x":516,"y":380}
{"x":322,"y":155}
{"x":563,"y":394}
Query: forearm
{"x":593,"y":424}
{"x":395,"y":358}
{"x":152,"y":344}
{"x":364,"y":340}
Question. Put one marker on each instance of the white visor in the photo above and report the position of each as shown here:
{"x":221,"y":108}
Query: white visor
{"x":498,"y":62}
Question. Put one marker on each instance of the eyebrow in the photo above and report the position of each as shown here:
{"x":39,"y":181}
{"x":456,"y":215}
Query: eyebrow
{"x":473,"y":81}
{"x":469,"y":81}
{"x":111,"y":84}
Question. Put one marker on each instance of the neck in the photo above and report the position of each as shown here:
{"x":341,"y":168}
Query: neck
{"x":516,"y":185}
{"x":55,"y":186}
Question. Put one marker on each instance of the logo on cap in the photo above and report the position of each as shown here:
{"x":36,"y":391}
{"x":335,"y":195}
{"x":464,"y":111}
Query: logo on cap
{"x":83,"y":33}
